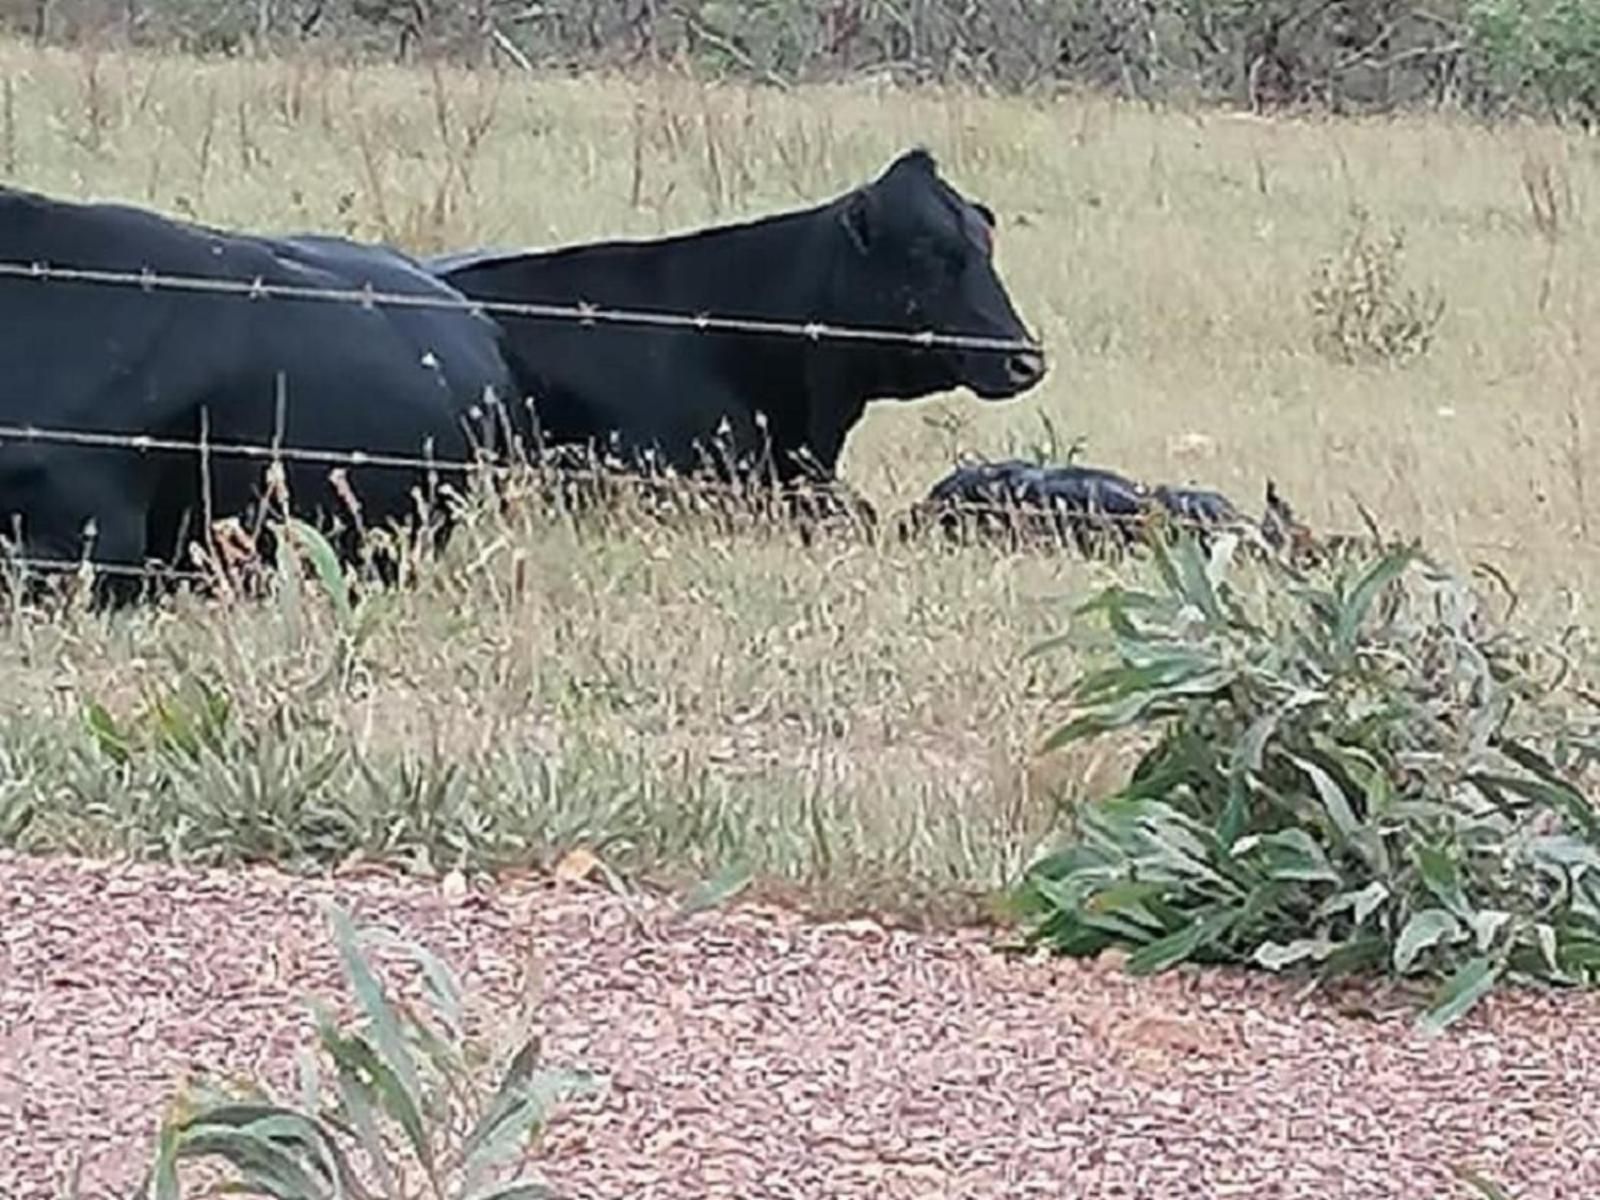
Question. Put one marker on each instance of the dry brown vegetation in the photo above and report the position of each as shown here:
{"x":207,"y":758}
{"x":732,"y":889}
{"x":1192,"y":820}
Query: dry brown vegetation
{"x":844,"y":713}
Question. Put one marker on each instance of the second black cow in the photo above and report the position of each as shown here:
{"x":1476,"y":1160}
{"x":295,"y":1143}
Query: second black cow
{"x":905,"y":252}
{"x":103,"y":364}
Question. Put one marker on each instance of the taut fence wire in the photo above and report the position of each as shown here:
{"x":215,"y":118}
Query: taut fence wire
{"x":583,"y":313}
{"x":258,"y":290}
{"x":1064,"y":518}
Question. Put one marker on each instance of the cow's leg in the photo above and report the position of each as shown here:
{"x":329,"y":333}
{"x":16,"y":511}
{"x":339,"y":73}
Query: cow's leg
{"x":70,"y":507}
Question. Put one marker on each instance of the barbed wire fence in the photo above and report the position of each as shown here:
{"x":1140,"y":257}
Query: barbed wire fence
{"x":257,"y":289}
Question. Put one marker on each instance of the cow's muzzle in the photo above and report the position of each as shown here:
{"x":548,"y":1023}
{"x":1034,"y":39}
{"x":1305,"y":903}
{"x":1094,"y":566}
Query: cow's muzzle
{"x":1025,"y":368}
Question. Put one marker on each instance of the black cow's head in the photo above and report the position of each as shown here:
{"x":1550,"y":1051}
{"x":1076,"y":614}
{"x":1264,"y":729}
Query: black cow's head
{"x":919,"y":256}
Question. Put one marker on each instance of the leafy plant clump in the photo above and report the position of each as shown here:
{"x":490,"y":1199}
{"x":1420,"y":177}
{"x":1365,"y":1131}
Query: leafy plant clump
{"x":1362,"y":312}
{"x":409,"y":1102}
{"x":1351,"y":776}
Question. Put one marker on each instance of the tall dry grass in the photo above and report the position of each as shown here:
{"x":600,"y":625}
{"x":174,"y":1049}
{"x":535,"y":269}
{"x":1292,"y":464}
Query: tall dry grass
{"x":849,"y":712}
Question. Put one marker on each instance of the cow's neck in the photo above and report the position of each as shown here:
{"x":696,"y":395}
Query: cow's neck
{"x":781,"y":268}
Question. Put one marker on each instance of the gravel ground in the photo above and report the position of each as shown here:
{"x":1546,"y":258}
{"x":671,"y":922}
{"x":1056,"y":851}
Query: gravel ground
{"x":753,"y":1054}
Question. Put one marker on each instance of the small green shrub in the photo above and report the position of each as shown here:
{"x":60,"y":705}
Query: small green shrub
{"x":1361,"y":312}
{"x":408,"y":1101}
{"x":1540,"y":54}
{"x":1353,"y":775}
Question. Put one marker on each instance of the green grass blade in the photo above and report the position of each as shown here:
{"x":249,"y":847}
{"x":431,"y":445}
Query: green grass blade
{"x":330,"y":574}
{"x":716,"y":891}
{"x":1456,"y":997}
{"x":390,"y":1042}
{"x":1426,"y":928}
{"x":1353,"y":612}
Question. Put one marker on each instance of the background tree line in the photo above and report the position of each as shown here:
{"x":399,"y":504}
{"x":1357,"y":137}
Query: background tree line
{"x":1489,"y":56}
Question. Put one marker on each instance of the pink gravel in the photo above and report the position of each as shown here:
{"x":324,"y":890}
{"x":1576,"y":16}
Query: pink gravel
{"x":753,"y":1054}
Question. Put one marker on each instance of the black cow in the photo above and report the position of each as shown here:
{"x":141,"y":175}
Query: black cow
{"x":1021,"y":501}
{"x":127,"y":360}
{"x":906,"y":251}
{"x":1094,"y":508}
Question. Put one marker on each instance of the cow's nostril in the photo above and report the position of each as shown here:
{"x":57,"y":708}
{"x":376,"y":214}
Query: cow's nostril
{"x":1025,"y":366}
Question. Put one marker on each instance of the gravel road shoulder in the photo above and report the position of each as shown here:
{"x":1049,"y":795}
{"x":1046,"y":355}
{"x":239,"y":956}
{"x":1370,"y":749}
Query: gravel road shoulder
{"x":753,"y":1054}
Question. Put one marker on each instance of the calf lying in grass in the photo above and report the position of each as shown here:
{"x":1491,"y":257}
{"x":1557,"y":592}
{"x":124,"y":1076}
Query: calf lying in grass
{"x":1099,"y":511}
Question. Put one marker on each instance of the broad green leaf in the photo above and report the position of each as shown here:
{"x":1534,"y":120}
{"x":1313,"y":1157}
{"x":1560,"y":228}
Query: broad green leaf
{"x":1294,"y":854}
{"x":1234,"y":813}
{"x":1116,"y":924}
{"x":1353,"y":611}
{"x":325,"y":562}
{"x":1361,"y":902}
{"x":308,"y":1080}
{"x":112,"y":740}
{"x":1363,"y":952}
{"x":1368,"y":899}
{"x":1565,"y":850}
{"x":1197,"y":587}
{"x":440,"y":983}
{"x":1064,"y":894}
{"x":1068,"y":936}
{"x":1485,"y":923}
{"x":1427,"y":927}
{"x":1251,"y":748}
{"x":1246,"y":844}
{"x":261,"y":1162}
{"x":1486,"y":1188}
{"x":1456,"y":997}
{"x":1220,"y":559}
{"x":1545,"y":935}
{"x":1176,"y":947}
{"x":357,"y":1093}
{"x":518,"y":1072}
{"x":1334,"y":801}
{"x":727,"y":883}
{"x":1126,"y":899}
{"x":525,"y":1111}
{"x":1166,"y":568}
{"x":1561,"y":798}
{"x":1137,"y":708}
{"x":522,"y":1190}
{"x":1277,"y":955}
{"x":163,"y":1182}
{"x":1179,"y":841}
{"x":396,"y":1074}
{"x":1580,"y":957}
{"x":1441,"y":878}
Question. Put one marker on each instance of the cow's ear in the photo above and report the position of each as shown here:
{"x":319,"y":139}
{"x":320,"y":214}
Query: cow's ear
{"x":857,"y":221}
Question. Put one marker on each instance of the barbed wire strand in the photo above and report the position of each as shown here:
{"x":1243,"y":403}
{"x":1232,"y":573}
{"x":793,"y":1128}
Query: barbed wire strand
{"x":1065,"y":522}
{"x":583,"y":313}
{"x":257,"y":288}
{"x":149,"y":443}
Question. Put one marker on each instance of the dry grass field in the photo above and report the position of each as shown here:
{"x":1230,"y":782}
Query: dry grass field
{"x":849,"y":715}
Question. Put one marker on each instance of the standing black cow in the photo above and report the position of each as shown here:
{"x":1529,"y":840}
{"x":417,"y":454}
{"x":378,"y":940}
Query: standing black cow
{"x":906,"y":251}
{"x":126,"y":360}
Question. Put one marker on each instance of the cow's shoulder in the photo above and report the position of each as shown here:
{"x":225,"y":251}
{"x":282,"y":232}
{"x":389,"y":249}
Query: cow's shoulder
{"x":474,"y":259}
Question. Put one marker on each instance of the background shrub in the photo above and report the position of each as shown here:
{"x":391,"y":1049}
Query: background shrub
{"x":1346,"y":55}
